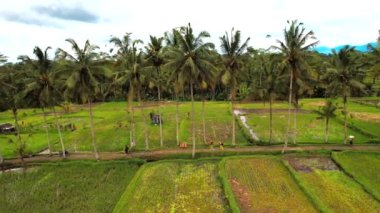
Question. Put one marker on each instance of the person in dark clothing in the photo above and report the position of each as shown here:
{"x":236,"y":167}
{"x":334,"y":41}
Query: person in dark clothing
{"x":126,"y":149}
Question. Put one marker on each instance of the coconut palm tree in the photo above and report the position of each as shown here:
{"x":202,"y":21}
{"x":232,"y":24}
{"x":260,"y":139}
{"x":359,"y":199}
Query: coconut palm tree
{"x":84,"y":72}
{"x":131,"y":62}
{"x":12,"y":84}
{"x":41,"y":86}
{"x":344,"y":77}
{"x":172,"y":42}
{"x":273,"y":80}
{"x":232,"y":50}
{"x":297,"y":42}
{"x":190,"y":61}
{"x":124,"y":76}
{"x":374,"y":60}
{"x":327,"y":111}
{"x":154,"y":57}
{"x":3,"y":58}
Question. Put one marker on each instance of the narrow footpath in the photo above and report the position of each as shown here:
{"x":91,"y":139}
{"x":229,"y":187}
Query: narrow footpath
{"x":161,"y":154}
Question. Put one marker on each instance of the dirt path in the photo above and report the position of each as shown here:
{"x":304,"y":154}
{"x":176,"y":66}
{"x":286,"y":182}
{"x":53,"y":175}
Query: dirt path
{"x":241,"y":115}
{"x":159,"y":154}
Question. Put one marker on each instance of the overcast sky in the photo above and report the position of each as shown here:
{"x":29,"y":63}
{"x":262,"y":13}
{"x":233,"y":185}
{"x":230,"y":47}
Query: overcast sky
{"x":25,"y":24}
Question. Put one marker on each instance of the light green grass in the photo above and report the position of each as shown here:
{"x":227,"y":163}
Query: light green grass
{"x":174,"y":186}
{"x":310,"y":128}
{"x":77,"y":186}
{"x":112,"y":127}
{"x":267,"y":184}
{"x":364,"y":167}
{"x":338,"y":193}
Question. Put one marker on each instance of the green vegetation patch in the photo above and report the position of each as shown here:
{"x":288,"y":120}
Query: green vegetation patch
{"x":263,"y":184}
{"x":77,"y":186}
{"x":112,"y":125}
{"x":310,"y":128}
{"x":174,"y":186}
{"x":330,"y":188}
{"x":364,"y":167}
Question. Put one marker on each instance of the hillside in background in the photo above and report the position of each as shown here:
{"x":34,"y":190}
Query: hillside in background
{"x":328,"y":50}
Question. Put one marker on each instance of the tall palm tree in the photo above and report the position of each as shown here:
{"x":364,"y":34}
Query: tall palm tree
{"x":12,"y":84}
{"x":135,"y":66}
{"x":124,"y":76}
{"x":40,"y":85}
{"x":3,"y":58}
{"x":232,"y":50}
{"x":327,"y":111}
{"x":190,"y":61}
{"x":155,"y":58}
{"x":131,"y":61}
{"x":295,"y":48}
{"x":344,"y":77}
{"x":84,"y":73}
{"x":374,"y":60}
{"x":172,"y":42}
{"x":272,"y":82}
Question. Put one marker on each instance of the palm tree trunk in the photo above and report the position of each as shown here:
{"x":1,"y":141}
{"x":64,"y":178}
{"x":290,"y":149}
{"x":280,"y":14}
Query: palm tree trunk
{"x":159,"y":114}
{"x":289,"y":110}
{"x":133,"y":130}
{"x":146,"y":137}
{"x":233,"y":113}
{"x":327,"y":130}
{"x":177,"y":118}
{"x":233,"y":123}
{"x":21,"y":148}
{"x":295,"y":125}
{"x":192,"y":118}
{"x":203,"y":121}
{"x":47,"y":130}
{"x":93,"y":135}
{"x":131,"y":110}
{"x":270,"y":118}
{"x":58,"y":125}
{"x":144,"y":120}
{"x":1,"y":161}
{"x":345,"y":118}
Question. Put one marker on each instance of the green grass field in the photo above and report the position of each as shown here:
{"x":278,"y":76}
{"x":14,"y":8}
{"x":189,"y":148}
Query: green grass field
{"x":263,"y":184}
{"x":331,"y":189}
{"x":310,"y":128}
{"x":364,"y":167}
{"x":112,"y":127}
{"x":78,"y":186}
{"x":174,"y":186}
{"x":296,"y":182}
{"x":364,"y":122}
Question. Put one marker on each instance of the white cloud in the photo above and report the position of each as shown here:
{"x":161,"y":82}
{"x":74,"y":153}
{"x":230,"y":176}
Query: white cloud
{"x":334,"y":22}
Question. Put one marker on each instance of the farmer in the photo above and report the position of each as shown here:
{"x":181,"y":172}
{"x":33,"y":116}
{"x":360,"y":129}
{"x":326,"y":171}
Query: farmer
{"x":126,"y":149}
{"x":351,"y":139}
{"x":221,"y":145}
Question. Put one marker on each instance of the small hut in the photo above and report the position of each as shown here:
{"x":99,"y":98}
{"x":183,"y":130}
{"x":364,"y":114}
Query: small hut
{"x":7,"y":128}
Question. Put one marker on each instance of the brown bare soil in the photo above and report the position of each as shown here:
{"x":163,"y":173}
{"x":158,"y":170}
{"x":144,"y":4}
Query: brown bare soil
{"x":307,"y":164}
{"x":263,"y":111}
{"x":161,"y":154}
{"x":242,"y":195}
{"x":366,"y":116}
{"x":155,"y":104}
{"x":317,"y":103}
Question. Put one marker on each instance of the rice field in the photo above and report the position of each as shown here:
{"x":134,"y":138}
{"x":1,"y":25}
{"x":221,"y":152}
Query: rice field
{"x":263,"y":184}
{"x":175,"y":186}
